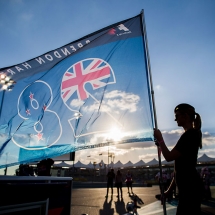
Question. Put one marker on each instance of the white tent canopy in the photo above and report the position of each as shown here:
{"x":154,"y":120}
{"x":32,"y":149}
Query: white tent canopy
{"x":205,"y":158}
{"x":101,"y":164}
{"x":118,"y":164}
{"x":167,"y":163}
{"x":80,"y":165}
{"x":152,"y":162}
{"x":91,"y":166}
{"x":129,"y":164}
{"x":140,"y":163}
{"x":63,"y":164}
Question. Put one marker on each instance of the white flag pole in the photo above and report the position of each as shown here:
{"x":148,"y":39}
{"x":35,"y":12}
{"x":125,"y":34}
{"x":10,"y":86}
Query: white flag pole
{"x":153,"y":103}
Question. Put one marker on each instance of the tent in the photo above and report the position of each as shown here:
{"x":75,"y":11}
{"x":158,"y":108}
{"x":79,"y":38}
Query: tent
{"x":205,"y":159}
{"x":140,"y":163}
{"x":91,"y":166}
{"x":118,"y":164}
{"x":101,"y":164}
{"x":111,"y":165}
{"x":80,"y":165}
{"x":63,"y":164}
{"x":152,"y":162}
{"x":128,"y":164}
{"x":167,"y":162}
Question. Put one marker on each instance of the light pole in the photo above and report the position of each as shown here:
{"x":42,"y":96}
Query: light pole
{"x":89,"y":157}
{"x":5,"y":171}
{"x":113,"y":156}
{"x":7,"y":84}
{"x":94,"y":164}
{"x":108,"y":155}
{"x":100,"y":168}
{"x":105,"y":171}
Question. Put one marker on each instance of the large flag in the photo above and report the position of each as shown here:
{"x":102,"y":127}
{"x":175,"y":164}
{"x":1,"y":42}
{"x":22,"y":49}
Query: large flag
{"x":90,"y":93}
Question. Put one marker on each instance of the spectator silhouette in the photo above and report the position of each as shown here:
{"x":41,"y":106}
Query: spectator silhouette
{"x":129,"y":181}
{"x":110,"y":179}
{"x":118,"y":182}
{"x":44,"y":167}
{"x":205,"y":175}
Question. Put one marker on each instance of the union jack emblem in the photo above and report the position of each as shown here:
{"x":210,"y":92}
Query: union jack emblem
{"x":94,"y":71}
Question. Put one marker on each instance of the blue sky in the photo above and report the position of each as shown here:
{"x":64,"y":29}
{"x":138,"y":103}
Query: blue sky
{"x":181,"y":40}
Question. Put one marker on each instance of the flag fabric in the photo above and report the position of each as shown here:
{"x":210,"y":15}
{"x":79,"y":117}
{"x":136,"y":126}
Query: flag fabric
{"x":89,"y":93}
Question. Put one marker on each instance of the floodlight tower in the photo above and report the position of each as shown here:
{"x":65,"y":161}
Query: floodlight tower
{"x":6,"y":84}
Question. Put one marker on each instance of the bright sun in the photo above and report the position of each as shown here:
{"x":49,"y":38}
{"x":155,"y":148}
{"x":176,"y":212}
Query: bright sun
{"x":115,"y":134}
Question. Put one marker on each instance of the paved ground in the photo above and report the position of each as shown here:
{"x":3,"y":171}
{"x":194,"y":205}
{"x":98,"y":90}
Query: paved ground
{"x":92,"y":201}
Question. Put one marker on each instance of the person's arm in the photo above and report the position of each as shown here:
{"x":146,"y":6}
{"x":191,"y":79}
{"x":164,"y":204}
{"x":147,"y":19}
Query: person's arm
{"x":168,"y":155}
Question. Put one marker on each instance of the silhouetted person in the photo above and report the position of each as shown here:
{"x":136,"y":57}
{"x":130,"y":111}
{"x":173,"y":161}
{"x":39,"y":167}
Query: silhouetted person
{"x":44,"y":167}
{"x":25,"y":170}
{"x":129,"y":181}
{"x":118,"y":182}
{"x":110,"y":179}
{"x":185,"y":155}
{"x":205,"y":175}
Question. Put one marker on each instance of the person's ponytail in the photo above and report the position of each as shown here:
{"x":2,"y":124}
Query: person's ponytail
{"x":197,"y":124}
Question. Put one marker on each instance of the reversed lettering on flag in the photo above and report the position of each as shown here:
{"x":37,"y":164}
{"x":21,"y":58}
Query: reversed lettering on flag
{"x":77,"y":96}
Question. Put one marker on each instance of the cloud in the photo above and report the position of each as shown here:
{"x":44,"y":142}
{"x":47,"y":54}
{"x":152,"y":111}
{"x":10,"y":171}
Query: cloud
{"x":3,"y":139}
{"x":98,"y":138}
{"x":136,"y":145}
{"x":93,"y":155}
{"x":76,"y":103}
{"x":146,"y":151}
{"x":148,"y":157}
{"x":208,"y":140}
{"x":171,"y":137}
{"x":209,"y":152}
{"x":122,"y":100}
{"x":116,"y":101}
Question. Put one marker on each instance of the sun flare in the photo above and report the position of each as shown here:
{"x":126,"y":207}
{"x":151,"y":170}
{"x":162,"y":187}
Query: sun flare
{"x":115,"y":134}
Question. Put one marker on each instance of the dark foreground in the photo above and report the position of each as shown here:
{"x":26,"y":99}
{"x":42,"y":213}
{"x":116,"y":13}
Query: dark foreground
{"x":91,"y":200}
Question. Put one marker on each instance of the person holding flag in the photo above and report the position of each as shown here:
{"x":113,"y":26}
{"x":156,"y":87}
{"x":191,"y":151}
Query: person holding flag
{"x":185,"y":155}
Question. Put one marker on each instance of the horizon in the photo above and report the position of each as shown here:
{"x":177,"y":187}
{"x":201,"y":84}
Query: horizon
{"x":181,"y":40}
